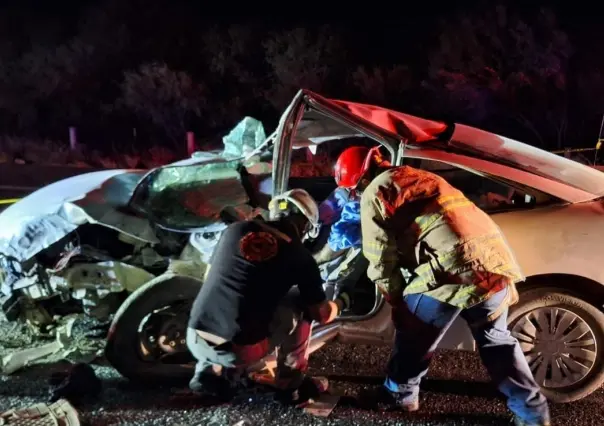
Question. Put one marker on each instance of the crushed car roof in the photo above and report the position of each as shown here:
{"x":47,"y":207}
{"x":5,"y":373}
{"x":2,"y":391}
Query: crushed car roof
{"x":316,"y":127}
{"x":393,"y":121}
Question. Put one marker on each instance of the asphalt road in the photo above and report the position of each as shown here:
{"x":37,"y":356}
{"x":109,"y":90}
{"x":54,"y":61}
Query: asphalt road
{"x":456,"y":392}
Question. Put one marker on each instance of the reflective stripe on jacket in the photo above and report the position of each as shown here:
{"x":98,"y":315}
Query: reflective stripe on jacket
{"x":416,"y":223}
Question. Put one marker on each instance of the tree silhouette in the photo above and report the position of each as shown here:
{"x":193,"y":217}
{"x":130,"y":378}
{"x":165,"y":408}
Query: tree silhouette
{"x":494,"y":67}
{"x":167,"y":98}
{"x":302,"y":58}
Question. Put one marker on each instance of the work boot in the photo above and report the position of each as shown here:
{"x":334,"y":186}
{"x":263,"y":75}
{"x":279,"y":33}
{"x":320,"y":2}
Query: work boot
{"x":382,"y":399}
{"x":519,"y":422}
{"x":212,"y":385}
{"x":309,"y":390}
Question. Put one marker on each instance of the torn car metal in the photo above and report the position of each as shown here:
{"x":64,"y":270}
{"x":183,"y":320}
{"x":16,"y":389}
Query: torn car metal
{"x":91,"y":239}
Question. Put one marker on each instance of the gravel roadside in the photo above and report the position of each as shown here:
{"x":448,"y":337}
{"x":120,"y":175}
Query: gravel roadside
{"x":456,"y":392}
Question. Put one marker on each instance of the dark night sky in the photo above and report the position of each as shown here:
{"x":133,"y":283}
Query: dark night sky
{"x":377,"y":37}
{"x":420,"y":18}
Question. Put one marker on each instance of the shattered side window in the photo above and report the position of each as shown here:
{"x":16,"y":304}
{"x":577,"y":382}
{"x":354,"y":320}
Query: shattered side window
{"x":193,"y":196}
{"x":195,"y":174}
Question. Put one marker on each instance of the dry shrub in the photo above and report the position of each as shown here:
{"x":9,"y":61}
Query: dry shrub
{"x":57,"y":153}
{"x":98,"y":159}
{"x":34,"y":151}
{"x":131,"y":161}
{"x":47,"y":152}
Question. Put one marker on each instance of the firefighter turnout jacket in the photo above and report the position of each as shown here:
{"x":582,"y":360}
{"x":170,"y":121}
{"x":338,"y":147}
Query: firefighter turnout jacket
{"x":421,"y":235}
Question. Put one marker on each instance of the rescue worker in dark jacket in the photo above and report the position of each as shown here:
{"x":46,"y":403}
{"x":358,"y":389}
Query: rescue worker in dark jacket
{"x":247,"y":307}
{"x":435,"y":256}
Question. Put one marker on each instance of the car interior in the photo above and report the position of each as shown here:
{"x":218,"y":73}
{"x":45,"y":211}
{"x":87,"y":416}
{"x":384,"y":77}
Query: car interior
{"x":362,"y":292}
{"x":491,"y":194}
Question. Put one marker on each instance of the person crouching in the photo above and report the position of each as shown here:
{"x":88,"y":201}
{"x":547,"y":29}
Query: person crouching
{"x":261,"y":293}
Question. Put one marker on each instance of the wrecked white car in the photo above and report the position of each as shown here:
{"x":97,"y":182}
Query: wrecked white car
{"x":88,"y":241}
{"x":138,"y":242}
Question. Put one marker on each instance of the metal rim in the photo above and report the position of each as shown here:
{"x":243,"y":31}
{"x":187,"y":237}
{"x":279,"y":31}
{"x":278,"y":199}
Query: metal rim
{"x":162,"y":334}
{"x":558,"y":344}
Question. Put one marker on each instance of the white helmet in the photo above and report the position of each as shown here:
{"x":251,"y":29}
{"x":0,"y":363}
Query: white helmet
{"x":298,"y":201}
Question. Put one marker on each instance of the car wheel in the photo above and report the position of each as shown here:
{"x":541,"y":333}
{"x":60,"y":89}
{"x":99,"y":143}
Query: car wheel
{"x":562,"y":337}
{"x":147,"y":339}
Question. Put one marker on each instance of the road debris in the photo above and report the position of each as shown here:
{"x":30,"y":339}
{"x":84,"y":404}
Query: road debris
{"x":21,"y":359}
{"x":59,"y":413}
{"x":323,"y":406}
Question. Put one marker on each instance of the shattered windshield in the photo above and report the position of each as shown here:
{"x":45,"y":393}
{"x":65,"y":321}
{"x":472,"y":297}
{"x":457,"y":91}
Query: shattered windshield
{"x":183,"y":197}
{"x":192,"y":193}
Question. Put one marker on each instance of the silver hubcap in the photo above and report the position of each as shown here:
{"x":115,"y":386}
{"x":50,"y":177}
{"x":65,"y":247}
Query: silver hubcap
{"x":559,"y":346}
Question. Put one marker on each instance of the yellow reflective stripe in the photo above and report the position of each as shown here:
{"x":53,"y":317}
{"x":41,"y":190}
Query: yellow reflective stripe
{"x":425,"y":221}
{"x":452,"y":206}
{"x":449,"y":198}
{"x":446,"y":204}
{"x":462,"y":295}
{"x":451,"y":202}
{"x":375,"y":244}
{"x":10,"y":201}
{"x":380,"y":257}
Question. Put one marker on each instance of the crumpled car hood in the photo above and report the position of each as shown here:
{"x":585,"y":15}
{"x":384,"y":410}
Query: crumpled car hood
{"x":48,"y":214}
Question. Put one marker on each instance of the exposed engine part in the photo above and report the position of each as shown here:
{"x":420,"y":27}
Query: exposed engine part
{"x":102,"y":277}
{"x":79,"y":268}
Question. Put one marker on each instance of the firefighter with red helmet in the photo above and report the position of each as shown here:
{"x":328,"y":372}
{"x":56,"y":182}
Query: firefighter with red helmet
{"x":435,"y":256}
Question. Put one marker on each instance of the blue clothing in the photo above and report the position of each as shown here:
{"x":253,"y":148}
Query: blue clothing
{"x":346,"y":232}
{"x":344,"y":216}
{"x":330,"y":210}
{"x":426,"y":320}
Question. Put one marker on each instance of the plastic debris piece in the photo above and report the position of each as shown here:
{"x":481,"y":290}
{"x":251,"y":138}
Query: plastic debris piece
{"x":18,"y":360}
{"x":246,"y":136}
{"x":59,"y":413}
{"x":21,"y":359}
{"x":323,"y":406}
{"x":81,"y":355}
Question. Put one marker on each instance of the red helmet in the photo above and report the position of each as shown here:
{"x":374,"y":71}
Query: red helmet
{"x":351,"y":166}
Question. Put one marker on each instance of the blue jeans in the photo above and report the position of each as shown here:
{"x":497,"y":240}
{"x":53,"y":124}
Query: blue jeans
{"x":425,"y":321}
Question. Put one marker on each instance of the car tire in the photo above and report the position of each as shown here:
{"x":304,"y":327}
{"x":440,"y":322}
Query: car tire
{"x":540,"y":300}
{"x":123,"y":342}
